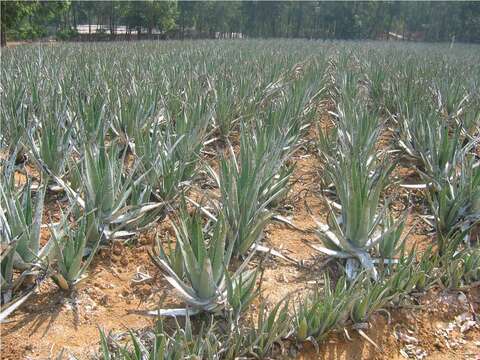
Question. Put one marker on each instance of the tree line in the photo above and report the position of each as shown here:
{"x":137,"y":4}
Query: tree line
{"x":422,"y":20}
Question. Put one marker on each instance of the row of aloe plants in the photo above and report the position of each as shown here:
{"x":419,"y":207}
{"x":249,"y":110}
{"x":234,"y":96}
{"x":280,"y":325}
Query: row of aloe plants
{"x":359,"y":227}
{"x":249,"y":182}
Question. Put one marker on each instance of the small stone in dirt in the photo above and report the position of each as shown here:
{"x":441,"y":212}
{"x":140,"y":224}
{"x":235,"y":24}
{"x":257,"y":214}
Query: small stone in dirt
{"x":103,"y":253}
{"x":104,"y":300}
{"x":145,"y":290}
{"x":117,"y":248}
{"x":30,"y":308}
{"x":410,"y":319}
{"x":467,"y":325}
{"x":462,"y":298}
{"x":463,"y":317}
{"x":145,"y":240}
{"x":124,"y":261}
{"x":139,"y":250}
{"x":98,"y":285}
{"x":438,"y":344}
{"x":407,"y":338}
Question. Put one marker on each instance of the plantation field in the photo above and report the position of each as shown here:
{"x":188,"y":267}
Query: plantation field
{"x":266,"y":199}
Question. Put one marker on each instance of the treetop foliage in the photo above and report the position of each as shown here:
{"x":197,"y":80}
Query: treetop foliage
{"x":420,"y":20}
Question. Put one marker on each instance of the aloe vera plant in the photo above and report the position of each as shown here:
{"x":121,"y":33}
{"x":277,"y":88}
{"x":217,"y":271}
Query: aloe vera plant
{"x":450,"y":92}
{"x":361,"y":226}
{"x":164,"y":170}
{"x":168,"y":153}
{"x":70,"y":249}
{"x":321,"y":312}
{"x":368,"y":298}
{"x":24,"y":217}
{"x":103,"y":174}
{"x":425,"y":270}
{"x":181,"y":344}
{"x":90,"y":122}
{"x":15,"y":119}
{"x":448,"y":169}
{"x":249,"y":183}
{"x":241,"y":191}
{"x":439,"y":155}
{"x":8,"y":243}
{"x":469,"y":119}
{"x":377,"y":79}
{"x":132,"y":111}
{"x":6,"y":257}
{"x":471,"y":265}
{"x":408,"y":276}
{"x":225,"y":107}
{"x":270,"y":328}
{"x":455,"y":201}
{"x":20,"y":221}
{"x":199,"y":269}
{"x":52,"y":142}
{"x":108,"y":189}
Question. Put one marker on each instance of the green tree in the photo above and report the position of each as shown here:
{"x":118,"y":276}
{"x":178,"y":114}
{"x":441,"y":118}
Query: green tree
{"x":13,"y":12}
{"x":159,"y":14}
